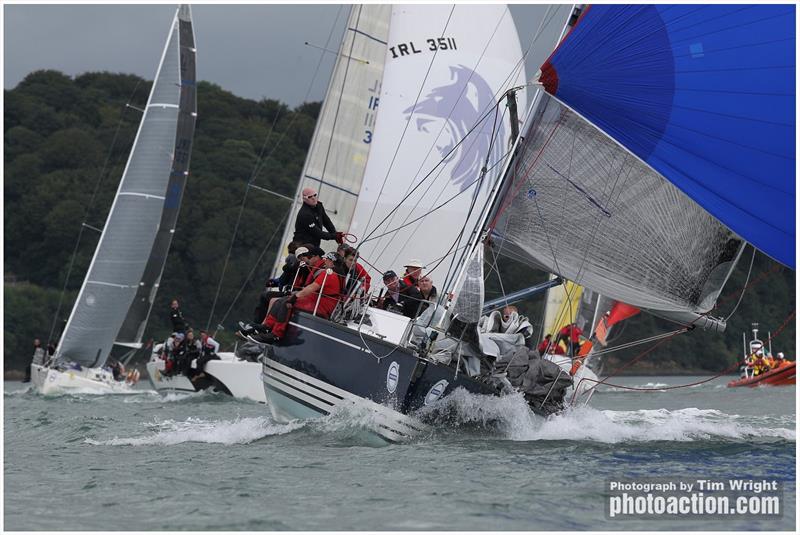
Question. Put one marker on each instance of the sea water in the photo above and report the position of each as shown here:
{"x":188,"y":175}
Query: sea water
{"x":210,"y":462}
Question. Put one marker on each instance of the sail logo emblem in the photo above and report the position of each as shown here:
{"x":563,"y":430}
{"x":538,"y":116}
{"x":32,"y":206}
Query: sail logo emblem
{"x":90,"y":300}
{"x":436,"y":392}
{"x":392,"y":376}
{"x":460,"y":104}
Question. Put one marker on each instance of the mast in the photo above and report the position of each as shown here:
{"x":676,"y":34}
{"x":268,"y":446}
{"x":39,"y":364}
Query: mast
{"x":478,"y":234}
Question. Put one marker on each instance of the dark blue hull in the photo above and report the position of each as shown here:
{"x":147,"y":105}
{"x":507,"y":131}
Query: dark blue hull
{"x":320,"y":365}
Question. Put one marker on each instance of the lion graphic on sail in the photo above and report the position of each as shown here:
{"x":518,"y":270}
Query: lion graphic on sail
{"x":460,"y":104}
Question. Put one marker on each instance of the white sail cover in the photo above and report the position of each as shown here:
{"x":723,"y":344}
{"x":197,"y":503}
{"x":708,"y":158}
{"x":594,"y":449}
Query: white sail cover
{"x":579,"y":205}
{"x":130,"y":231}
{"x":346,"y":124}
{"x":446,"y":68}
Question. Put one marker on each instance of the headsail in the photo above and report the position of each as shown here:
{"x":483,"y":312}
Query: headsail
{"x":705,"y":95}
{"x":133,"y":327}
{"x":579,"y":205}
{"x":446,"y":68}
{"x":344,"y":132}
{"x":130,"y":231}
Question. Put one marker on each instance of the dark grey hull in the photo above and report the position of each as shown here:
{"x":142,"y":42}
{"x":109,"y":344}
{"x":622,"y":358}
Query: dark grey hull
{"x":320,"y":366}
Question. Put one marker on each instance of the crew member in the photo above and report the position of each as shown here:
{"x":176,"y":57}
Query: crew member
{"x":413,"y":272}
{"x":400,"y":297}
{"x":313,"y":224}
{"x":176,"y":316}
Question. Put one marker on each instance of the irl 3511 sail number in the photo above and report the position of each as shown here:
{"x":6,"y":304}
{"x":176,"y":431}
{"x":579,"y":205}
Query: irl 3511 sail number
{"x":431,"y":45}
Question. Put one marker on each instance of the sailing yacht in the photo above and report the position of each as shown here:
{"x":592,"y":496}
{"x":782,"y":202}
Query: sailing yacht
{"x":641,"y":171}
{"x":334,"y":167}
{"x":114,"y":302}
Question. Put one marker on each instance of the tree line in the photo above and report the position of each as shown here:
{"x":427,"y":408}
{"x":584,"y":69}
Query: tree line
{"x":67,"y":140}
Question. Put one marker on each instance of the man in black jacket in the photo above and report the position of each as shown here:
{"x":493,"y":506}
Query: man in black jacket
{"x":400,"y":298}
{"x":312,"y":222}
{"x":176,"y":316}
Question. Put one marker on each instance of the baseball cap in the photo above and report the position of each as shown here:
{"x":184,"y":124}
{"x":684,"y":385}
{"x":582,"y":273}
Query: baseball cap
{"x":389,"y":274}
{"x":301,"y":251}
{"x":414,"y":263}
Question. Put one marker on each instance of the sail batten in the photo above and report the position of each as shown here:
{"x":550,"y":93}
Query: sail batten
{"x":129,"y":236}
{"x":344,"y":132}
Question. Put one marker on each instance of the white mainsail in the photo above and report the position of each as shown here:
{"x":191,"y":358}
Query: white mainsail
{"x":345,"y":128}
{"x":446,"y":68}
{"x":130,"y":232}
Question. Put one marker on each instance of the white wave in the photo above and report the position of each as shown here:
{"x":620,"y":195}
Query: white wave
{"x":24,"y":390}
{"x":170,"y":432}
{"x":511,"y":418}
{"x":168,"y":397}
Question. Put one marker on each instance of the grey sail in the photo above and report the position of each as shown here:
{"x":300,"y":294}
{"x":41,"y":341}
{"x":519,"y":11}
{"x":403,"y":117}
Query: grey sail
{"x":579,"y":205}
{"x":133,"y":327}
{"x":133,"y":223}
{"x":343,"y":135}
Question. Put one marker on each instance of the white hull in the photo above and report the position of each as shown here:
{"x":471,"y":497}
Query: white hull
{"x":87,"y":380}
{"x":241,"y":378}
{"x":293,"y":395}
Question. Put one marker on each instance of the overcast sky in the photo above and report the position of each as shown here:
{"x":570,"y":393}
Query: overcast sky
{"x":255,"y":51}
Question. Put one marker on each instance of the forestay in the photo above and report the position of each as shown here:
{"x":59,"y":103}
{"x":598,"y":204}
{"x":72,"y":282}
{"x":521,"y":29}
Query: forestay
{"x":133,"y":222}
{"x":705,"y":95}
{"x":344,"y":133}
{"x":446,"y":68}
{"x":133,"y":327}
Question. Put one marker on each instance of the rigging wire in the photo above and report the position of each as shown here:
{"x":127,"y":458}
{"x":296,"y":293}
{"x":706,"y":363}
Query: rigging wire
{"x":405,"y":128}
{"x":259,"y":166}
{"x":88,"y":209}
{"x":252,"y":271}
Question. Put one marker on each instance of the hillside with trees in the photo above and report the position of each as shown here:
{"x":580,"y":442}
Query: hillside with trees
{"x":66,"y":143}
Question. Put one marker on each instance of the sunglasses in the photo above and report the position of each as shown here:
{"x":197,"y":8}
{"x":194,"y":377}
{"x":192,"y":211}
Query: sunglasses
{"x":310,"y":196}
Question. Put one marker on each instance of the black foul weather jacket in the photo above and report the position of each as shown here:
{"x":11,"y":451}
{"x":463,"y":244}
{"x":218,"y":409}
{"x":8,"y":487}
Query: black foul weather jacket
{"x":310,"y":225}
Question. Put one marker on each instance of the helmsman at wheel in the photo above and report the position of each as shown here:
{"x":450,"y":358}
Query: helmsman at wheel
{"x":312,"y":224}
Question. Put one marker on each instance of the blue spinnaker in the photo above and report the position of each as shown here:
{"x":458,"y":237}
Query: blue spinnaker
{"x":704,"y":94}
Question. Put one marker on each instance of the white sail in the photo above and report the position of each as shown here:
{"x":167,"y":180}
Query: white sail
{"x":345,"y":128}
{"x":129,"y":234}
{"x":446,"y":68}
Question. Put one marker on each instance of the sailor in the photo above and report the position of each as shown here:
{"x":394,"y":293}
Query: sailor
{"x":176,"y":316}
{"x":413,"y":272}
{"x":38,"y":359}
{"x":208,"y":351}
{"x":290,"y":273}
{"x":571,"y":336}
{"x":427,"y":291}
{"x":173,"y":351}
{"x":312,"y":222}
{"x":400,"y":297}
{"x":545,"y":344}
{"x":313,"y":259}
{"x":355,"y":271}
{"x":320,"y":298}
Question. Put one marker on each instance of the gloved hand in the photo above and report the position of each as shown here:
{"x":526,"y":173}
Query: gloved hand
{"x":340,"y":238}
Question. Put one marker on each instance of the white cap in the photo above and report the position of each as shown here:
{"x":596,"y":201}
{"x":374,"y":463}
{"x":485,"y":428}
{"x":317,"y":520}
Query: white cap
{"x":300,"y":251}
{"x":780,"y":354}
{"x":414,"y":263}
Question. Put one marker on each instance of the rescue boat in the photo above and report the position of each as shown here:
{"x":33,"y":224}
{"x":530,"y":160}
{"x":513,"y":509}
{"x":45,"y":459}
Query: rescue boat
{"x":781,"y":375}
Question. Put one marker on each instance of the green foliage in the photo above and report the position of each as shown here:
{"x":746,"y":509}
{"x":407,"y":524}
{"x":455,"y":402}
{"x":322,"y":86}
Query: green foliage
{"x":65,"y":137}
{"x":29,"y":312}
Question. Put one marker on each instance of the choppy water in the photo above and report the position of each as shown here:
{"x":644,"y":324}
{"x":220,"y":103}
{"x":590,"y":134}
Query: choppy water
{"x":146,"y":462}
